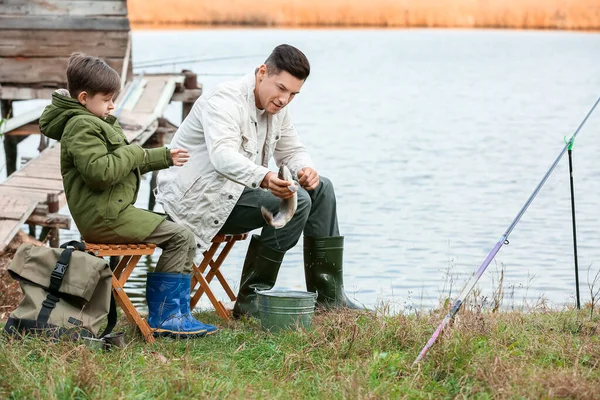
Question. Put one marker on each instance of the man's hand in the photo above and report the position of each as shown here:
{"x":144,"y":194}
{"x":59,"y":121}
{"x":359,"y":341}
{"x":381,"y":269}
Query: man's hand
{"x":308,"y":178}
{"x":179,"y":156}
{"x":277,"y":186}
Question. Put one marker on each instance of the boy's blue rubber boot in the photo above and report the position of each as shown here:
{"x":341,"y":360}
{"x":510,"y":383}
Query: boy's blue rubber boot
{"x":163,"y":295}
{"x":185,"y":298}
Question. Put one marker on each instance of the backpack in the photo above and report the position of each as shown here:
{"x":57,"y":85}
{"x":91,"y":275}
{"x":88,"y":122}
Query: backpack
{"x":66,"y":292}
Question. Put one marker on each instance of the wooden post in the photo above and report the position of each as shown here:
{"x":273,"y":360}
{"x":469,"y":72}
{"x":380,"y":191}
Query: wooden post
{"x":10,"y":141}
{"x":190,"y":82}
{"x":53,"y":207}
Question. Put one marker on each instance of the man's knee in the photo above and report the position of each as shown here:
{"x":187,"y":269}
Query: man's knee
{"x":304,"y":202}
{"x":327,"y":187}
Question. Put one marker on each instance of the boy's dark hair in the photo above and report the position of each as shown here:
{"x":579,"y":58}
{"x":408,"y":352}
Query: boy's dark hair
{"x":92,"y":75}
{"x":288,"y":58}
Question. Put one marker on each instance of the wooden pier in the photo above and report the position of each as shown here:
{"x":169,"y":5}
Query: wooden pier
{"x":36,"y":38}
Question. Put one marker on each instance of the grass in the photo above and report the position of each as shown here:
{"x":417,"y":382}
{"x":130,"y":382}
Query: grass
{"x":539,"y":354}
{"x":521,"y":14}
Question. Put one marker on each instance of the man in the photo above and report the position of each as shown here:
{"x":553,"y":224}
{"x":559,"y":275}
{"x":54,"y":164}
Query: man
{"x":231,"y":134}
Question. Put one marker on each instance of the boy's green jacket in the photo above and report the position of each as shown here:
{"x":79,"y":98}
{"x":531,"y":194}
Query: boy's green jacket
{"x":101,"y":172}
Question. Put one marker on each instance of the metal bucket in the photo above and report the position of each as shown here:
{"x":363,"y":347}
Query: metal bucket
{"x":285,"y":309}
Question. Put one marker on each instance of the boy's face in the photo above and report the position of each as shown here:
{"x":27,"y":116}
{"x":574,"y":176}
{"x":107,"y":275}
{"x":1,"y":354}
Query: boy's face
{"x":100,"y":104}
{"x":275,"y":91}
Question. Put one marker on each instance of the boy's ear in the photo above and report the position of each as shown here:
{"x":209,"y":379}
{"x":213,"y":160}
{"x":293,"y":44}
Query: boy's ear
{"x":82,"y":97}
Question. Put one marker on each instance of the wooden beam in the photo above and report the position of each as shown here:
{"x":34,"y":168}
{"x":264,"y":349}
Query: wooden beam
{"x":25,"y":130}
{"x":64,"y":7}
{"x":56,"y":22}
{"x":61,"y":43}
{"x":41,"y":70}
{"x":187,"y":96}
{"x":50,"y":220}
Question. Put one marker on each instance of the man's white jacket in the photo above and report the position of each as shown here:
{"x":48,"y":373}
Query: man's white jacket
{"x":220,"y":133}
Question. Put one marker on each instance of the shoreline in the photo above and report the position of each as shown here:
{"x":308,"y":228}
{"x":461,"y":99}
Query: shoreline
{"x":173,"y":25}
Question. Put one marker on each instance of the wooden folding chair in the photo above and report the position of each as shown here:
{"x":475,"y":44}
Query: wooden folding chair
{"x":209,"y":260}
{"x":131,"y":254}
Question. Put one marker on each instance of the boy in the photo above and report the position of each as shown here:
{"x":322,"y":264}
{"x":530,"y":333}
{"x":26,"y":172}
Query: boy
{"x":101,"y":175}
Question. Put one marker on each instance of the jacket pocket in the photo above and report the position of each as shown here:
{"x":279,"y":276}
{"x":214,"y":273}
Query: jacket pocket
{"x":114,"y":141}
{"x":249,"y":145}
{"x":114,"y":202}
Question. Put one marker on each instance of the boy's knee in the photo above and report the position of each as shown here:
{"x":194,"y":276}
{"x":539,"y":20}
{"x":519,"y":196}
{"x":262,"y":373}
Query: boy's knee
{"x":187,"y":238}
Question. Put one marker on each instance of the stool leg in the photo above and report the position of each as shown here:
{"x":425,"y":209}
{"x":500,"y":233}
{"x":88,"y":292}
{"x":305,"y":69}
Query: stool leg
{"x":208,"y":255}
{"x":120,"y":276}
{"x":216,"y":303}
{"x":130,"y":311}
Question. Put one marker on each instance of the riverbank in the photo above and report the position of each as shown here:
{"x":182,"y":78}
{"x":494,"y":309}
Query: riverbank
{"x":511,"y":14}
{"x":539,"y":354}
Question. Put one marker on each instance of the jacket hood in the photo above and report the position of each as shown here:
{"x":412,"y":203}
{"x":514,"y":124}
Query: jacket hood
{"x":57,"y":114}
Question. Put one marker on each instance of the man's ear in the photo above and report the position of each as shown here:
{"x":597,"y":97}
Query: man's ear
{"x":262,"y":71}
{"x":82,"y":97}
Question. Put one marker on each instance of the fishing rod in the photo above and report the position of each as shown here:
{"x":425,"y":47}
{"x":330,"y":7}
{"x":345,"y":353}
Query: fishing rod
{"x":160,"y":63}
{"x":570,"y":151}
{"x":503,"y":240}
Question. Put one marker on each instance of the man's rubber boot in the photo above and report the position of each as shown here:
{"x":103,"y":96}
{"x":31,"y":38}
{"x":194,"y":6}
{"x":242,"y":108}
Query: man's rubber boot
{"x":260,"y":270}
{"x":324,"y":273}
{"x":163,"y":295}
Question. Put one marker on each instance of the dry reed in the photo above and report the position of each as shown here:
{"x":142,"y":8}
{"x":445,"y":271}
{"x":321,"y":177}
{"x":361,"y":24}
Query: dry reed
{"x":522,"y":14}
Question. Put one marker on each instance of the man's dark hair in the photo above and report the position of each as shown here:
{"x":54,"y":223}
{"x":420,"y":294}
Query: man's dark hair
{"x":288,"y":58}
{"x":92,"y":75}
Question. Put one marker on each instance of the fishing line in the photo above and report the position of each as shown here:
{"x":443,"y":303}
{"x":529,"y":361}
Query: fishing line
{"x":503,"y":240}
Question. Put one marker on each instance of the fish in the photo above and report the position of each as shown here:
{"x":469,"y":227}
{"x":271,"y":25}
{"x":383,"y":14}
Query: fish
{"x":287,"y":208}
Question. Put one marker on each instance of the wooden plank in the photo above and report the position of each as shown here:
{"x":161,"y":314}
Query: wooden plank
{"x":152,"y":91}
{"x":33,"y":183}
{"x":63,"y":7}
{"x":38,"y":195}
{"x":45,"y":173}
{"x":61,"y":43}
{"x":142,"y":136}
{"x":41,"y":70}
{"x":165,"y":97}
{"x":8,"y":230}
{"x":14,"y":207}
{"x":134,"y":122}
{"x":23,"y":119}
{"x":76,"y":23}
{"x":10,"y":227}
{"x":25,"y":93}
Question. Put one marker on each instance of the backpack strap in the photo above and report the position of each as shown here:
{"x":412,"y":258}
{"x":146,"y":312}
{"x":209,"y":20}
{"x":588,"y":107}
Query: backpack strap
{"x":112,"y":317}
{"x":56,"y":279}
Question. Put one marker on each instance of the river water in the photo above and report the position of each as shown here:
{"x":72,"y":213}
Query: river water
{"x":434,"y":140}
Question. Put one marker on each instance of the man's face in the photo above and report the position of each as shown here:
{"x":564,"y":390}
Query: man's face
{"x":275,"y":91}
{"x":100,"y":104}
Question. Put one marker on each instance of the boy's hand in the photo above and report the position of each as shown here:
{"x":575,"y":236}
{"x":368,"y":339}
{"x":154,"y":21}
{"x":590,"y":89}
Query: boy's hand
{"x":179,"y":156}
